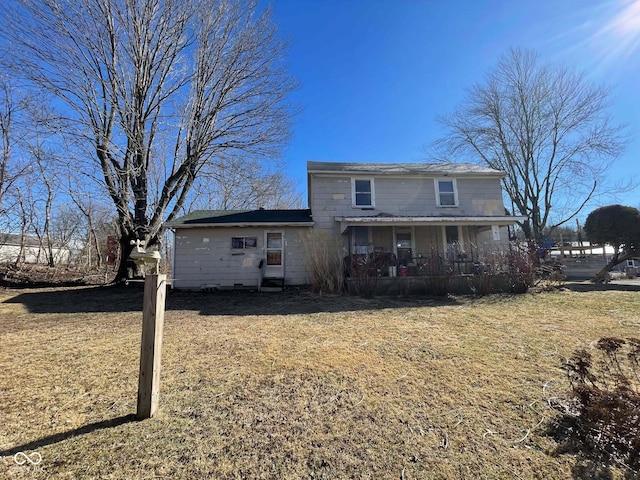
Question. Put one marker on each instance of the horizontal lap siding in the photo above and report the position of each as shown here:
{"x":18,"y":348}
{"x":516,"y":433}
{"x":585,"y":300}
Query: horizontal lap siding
{"x":484,"y":239}
{"x":402,"y":196}
{"x":480,"y":197}
{"x":330,"y":198}
{"x":295,"y":269}
{"x":203,"y":256}
{"x":406,"y":196}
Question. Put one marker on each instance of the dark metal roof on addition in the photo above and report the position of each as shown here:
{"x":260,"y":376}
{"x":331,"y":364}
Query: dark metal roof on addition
{"x":243,"y":217}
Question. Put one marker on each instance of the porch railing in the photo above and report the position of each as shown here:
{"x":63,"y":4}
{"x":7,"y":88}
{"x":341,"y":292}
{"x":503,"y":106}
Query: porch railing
{"x":387,"y":265}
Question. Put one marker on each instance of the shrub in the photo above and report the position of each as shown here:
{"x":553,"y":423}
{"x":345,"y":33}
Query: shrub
{"x":603,"y":411}
{"x":521,"y":269}
{"x":324,"y":261}
{"x":364,"y":271}
{"x":494,"y":267}
{"x":489,"y":266}
{"x":437,"y":272}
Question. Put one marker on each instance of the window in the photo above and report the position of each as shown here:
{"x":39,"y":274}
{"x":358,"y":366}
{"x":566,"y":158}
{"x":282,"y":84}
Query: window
{"x":362,"y":192}
{"x":451,"y":234}
{"x":361,"y":239}
{"x":243,"y":243}
{"x":446,"y":192}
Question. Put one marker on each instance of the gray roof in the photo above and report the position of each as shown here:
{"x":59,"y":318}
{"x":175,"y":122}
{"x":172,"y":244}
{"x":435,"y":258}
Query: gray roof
{"x":243,"y":217}
{"x":402,"y":168}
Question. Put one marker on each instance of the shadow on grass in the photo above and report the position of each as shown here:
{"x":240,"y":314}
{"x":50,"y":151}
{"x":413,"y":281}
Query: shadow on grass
{"x":590,"y":466}
{"x":80,"y":300}
{"x":596,"y":457}
{"x":618,"y":286}
{"x":129,"y":299}
{"x":60,"y":437}
{"x":587,"y":466}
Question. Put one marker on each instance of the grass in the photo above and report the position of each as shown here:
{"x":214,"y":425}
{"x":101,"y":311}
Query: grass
{"x":296,"y":385}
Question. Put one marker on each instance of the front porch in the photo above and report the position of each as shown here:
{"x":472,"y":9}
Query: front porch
{"x":409,"y":250}
{"x":431,"y":259}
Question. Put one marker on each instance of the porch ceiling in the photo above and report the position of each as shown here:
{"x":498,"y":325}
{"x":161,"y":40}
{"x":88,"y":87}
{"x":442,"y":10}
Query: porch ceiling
{"x":502,"y":221}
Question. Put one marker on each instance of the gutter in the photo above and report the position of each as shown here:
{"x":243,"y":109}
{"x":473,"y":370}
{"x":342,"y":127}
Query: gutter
{"x":346,"y":222}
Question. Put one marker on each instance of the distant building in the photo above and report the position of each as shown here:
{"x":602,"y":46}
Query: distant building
{"x":29,"y":249}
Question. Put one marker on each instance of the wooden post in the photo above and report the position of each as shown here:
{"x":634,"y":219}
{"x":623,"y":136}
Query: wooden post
{"x":151,"y":345}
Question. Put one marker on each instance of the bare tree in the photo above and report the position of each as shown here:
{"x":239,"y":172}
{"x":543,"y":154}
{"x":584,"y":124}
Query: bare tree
{"x":96,"y":221}
{"x":179,"y":84}
{"x":6,"y":112}
{"x":547,"y":128}
{"x":46,"y":180}
{"x":243,"y":185}
{"x":24,"y":207}
{"x":11,"y":168}
{"x":66,"y":228}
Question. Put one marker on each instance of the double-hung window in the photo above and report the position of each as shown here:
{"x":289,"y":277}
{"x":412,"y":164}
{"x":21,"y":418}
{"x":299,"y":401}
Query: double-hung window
{"x":362,"y":192}
{"x":446,"y":192}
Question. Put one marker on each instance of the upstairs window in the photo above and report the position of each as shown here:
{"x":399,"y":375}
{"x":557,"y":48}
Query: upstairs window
{"x":362,"y":192}
{"x":446,"y":192}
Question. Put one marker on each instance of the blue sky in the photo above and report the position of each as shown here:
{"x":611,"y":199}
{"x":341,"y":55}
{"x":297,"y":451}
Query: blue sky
{"x":375,"y":74}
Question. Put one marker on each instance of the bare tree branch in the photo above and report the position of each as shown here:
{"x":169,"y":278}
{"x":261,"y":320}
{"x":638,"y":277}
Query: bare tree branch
{"x":547,"y":128}
{"x":156,"y":91}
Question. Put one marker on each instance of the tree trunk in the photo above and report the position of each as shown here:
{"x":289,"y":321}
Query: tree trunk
{"x":125,"y":270}
{"x":616,"y":260}
{"x":96,"y":245}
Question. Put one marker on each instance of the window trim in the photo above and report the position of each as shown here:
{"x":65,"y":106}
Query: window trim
{"x":438,"y":193}
{"x":354,"y":193}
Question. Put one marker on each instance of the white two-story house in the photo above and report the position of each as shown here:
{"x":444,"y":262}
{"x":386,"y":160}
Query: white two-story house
{"x":400,"y":213}
{"x":409,"y":209}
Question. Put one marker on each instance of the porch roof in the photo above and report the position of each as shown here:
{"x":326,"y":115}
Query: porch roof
{"x":378,"y":221}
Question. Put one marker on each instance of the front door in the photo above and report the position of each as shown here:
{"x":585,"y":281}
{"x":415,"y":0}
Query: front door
{"x":274,"y":251}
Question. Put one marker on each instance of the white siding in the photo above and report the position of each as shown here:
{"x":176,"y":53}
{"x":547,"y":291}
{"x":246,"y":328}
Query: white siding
{"x":485,"y":239}
{"x":31,"y":254}
{"x":330,"y":197}
{"x":203,"y":256}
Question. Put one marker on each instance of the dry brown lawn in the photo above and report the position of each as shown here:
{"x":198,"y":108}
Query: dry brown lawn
{"x":294,"y":385}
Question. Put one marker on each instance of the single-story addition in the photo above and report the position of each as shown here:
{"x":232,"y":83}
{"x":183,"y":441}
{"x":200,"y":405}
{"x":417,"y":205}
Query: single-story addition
{"x":398,"y":218}
{"x":221,"y":249}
